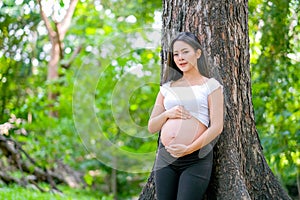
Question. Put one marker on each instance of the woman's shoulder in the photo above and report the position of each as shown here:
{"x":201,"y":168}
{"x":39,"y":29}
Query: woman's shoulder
{"x":213,"y":84}
{"x":166,"y":84}
{"x":164,"y":88}
{"x":212,"y":80}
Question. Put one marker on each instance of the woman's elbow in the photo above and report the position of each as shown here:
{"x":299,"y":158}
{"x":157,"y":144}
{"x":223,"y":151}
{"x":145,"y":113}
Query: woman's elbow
{"x":151,"y":128}
{"x":218,"y":128}
{"x":152,"y":131}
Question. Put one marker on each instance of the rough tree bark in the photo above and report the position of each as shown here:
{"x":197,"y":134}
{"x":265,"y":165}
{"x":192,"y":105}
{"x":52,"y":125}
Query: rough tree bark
{"x":240,"y":169}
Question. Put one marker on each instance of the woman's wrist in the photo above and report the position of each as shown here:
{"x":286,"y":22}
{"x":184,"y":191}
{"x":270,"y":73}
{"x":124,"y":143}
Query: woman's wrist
{"x":165,"y":115}
{"x":190,"y":149}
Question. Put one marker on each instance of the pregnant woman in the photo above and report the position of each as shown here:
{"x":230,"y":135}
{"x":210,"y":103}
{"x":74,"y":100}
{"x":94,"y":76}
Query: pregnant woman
{"x":188,"y":112}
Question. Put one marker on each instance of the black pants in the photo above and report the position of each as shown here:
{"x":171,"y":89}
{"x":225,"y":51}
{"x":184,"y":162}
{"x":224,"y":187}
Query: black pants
{"x":184,"y":178}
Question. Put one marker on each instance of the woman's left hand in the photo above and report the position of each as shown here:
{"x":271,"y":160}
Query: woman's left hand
{"x":177,"y":150}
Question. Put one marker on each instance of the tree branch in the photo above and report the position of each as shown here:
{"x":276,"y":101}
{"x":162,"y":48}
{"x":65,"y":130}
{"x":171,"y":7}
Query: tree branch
{"x":50,"y":30}
{"x":74,"y":55}
{"x":59,"y":40}
{"x":65,"y":23}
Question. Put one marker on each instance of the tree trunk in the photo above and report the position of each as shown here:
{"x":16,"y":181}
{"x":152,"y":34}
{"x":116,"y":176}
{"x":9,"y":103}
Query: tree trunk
{"x":240,"y":169}
{"x":56,"y":36}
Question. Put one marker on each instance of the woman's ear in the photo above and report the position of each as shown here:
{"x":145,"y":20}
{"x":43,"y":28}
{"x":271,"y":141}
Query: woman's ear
{"x":198,"y":53}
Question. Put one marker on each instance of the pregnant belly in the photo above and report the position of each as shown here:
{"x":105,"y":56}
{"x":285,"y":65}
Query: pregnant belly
{"x":181,"y":131}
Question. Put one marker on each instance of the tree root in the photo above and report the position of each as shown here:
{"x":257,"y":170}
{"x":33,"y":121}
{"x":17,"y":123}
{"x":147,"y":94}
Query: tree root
{"x":32,"y":173}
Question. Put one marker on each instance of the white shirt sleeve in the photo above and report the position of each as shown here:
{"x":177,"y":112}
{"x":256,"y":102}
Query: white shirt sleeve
{"x":164,"y":88}
{"x":213,"y":84}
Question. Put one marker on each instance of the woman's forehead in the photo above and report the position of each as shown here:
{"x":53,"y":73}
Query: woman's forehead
{"x":181,"y":45}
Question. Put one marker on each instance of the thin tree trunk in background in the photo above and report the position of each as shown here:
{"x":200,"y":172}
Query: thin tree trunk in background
{"x":240,"y":169}
{"x":56,"y":35}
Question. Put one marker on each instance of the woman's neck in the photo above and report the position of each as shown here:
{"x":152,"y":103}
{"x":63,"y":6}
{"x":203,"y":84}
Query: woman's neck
{"x":192,"y":77}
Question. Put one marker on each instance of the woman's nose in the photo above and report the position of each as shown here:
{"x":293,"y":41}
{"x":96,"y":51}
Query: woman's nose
{"x":180,"y":56}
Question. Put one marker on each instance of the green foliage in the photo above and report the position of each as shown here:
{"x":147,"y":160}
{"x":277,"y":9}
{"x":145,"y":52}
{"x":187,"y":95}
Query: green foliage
{"x":14,"y":192}
{"x":275,"y":74}
{"x":142,"y":10}
{"x":141,"y":90}
{"x":24,"y":87}
{"x":16,"y":56}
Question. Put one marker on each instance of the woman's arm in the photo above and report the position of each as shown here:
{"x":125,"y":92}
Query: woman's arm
{"x":216,"y":110}
{"x":160,"y":115}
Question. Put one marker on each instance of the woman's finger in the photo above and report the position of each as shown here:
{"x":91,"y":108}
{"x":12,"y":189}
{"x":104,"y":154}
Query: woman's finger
{"x":185,"y":113}
{"x":175,"y":156}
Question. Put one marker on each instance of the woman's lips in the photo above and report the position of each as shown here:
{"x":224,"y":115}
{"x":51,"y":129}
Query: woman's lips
{"x":182,"y":64}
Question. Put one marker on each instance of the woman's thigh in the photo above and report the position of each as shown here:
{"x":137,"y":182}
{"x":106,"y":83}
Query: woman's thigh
{"x":194,"y":181}
{"x":166,"y":183}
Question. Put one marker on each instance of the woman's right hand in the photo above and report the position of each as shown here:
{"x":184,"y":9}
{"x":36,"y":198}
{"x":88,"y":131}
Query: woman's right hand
{"x":178,"y":112}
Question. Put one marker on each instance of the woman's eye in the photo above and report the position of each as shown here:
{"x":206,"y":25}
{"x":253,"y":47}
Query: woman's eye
{"x":175,"y":54}
{"x":185,"y":52}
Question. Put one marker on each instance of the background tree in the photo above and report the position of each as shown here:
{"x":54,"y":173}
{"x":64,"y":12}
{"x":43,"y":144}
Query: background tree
{"x":240,"y":171}
{"x":53,"y":139}
{"x":56,"y":33}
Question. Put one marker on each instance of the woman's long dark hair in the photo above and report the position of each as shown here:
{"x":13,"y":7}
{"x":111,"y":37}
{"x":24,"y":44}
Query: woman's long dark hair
{"x":172,"y":72}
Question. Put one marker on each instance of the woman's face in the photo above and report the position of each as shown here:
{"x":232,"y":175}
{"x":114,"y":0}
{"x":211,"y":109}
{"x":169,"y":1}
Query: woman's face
{"x":185,"y":57}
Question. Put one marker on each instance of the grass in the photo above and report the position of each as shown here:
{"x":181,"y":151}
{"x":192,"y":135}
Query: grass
{"x":15,"y":192}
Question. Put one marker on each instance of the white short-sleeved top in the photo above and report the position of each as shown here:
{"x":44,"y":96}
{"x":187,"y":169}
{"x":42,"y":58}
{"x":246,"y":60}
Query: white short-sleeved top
{"x":193,"y":98}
